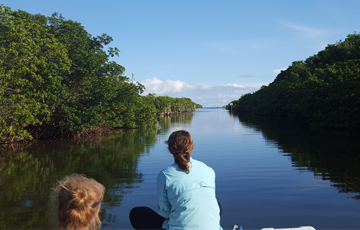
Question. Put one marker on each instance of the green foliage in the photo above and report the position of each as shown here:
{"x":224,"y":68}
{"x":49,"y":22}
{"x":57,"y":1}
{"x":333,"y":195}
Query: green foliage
{"x":324,"y":89}
{"x":31,"y":69}
{"x":54,"y":73}
{"x":95,"y":92}
{"x":228,"y":106}
{"x":164,"y":104}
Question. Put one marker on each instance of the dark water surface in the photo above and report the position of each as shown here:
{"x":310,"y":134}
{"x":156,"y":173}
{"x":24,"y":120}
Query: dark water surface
{"x":269,"y":172}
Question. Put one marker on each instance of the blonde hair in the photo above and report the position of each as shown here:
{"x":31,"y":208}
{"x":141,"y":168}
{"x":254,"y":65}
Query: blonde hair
{"x":78,"y":203}
{"x":180,"y":145}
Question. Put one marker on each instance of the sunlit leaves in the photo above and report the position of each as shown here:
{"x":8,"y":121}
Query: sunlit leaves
{"x":32,"y":64}
{"x":324,"y":89}
{"x":54,"y":72}
{"x":165,"y":104}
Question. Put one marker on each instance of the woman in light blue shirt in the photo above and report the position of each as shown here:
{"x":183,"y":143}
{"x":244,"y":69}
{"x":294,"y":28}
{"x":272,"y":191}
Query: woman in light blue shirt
{"x":186,"y":193}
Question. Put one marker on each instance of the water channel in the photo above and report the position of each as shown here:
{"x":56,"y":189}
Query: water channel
{"x":269,"y":172}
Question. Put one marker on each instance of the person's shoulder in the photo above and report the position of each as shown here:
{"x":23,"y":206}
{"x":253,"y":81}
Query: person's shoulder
{"x":200,"y":163}
{"x":193,"y":161}
{"x":169,"y":169}
{"x":163,"y":173}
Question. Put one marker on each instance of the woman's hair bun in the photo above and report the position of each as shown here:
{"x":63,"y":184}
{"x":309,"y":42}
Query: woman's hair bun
{"x":82,"y":198}
{"x":75,"y":196}
{"x":180,"y":144}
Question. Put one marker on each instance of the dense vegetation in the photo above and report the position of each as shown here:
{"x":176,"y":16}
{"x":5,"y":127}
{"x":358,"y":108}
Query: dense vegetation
{"x":57,"y":79}
{"x":324,"y":89}
{"x":165,"y":104}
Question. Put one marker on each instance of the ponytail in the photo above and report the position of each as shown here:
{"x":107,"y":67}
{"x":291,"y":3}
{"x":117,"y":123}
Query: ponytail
{"x":180,"y":145}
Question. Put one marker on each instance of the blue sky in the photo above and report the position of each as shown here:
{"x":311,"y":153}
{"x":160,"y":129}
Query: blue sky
{"x":209,"y":51}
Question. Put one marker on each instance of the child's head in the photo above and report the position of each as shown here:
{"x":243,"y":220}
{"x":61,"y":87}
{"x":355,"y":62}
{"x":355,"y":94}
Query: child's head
{"x":79,"y":201}
{"x":180,"y":145}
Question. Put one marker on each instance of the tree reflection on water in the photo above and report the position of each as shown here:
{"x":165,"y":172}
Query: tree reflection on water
{"x":27,"y":176}
{"x":330,"y":155}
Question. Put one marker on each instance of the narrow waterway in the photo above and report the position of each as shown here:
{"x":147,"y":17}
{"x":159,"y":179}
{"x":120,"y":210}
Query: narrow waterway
{"x":269,"y":172}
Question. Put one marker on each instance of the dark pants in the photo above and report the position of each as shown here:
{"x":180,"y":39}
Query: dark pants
{"x":146,"y":218}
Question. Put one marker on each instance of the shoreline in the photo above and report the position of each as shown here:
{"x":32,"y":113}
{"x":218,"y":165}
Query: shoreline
{"x":47,"y":132}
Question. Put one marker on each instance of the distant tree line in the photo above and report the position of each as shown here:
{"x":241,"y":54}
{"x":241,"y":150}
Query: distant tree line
{"x":324,"y":89}
{"x":57,"y":79}
{"x":165,"y":104}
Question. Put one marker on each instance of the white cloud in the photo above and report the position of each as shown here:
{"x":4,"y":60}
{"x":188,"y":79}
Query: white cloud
{"x":310,"y":32}
{"x":206,"y":86}
{"x":221,"y":95}
{"x":278,"y":70}
{"x":234,"y":85}
{"x":205,"y":95}
{"x":160,"y":87}
{"x":256,"y":84}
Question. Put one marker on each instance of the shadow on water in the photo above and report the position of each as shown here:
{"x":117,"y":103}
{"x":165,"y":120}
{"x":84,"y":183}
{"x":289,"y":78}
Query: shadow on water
{"x":28,"y":175}
{"x":330,"y":155}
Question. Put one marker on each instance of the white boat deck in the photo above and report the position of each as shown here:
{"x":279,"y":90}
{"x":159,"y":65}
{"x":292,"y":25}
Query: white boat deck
{"x":299,"y":228}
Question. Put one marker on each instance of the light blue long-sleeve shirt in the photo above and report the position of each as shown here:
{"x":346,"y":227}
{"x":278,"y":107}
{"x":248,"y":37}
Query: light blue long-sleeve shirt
{"x":188,"y":199}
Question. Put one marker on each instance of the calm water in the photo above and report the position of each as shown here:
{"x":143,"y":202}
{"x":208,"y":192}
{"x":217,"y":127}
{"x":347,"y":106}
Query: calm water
{"x":270,"y":172}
